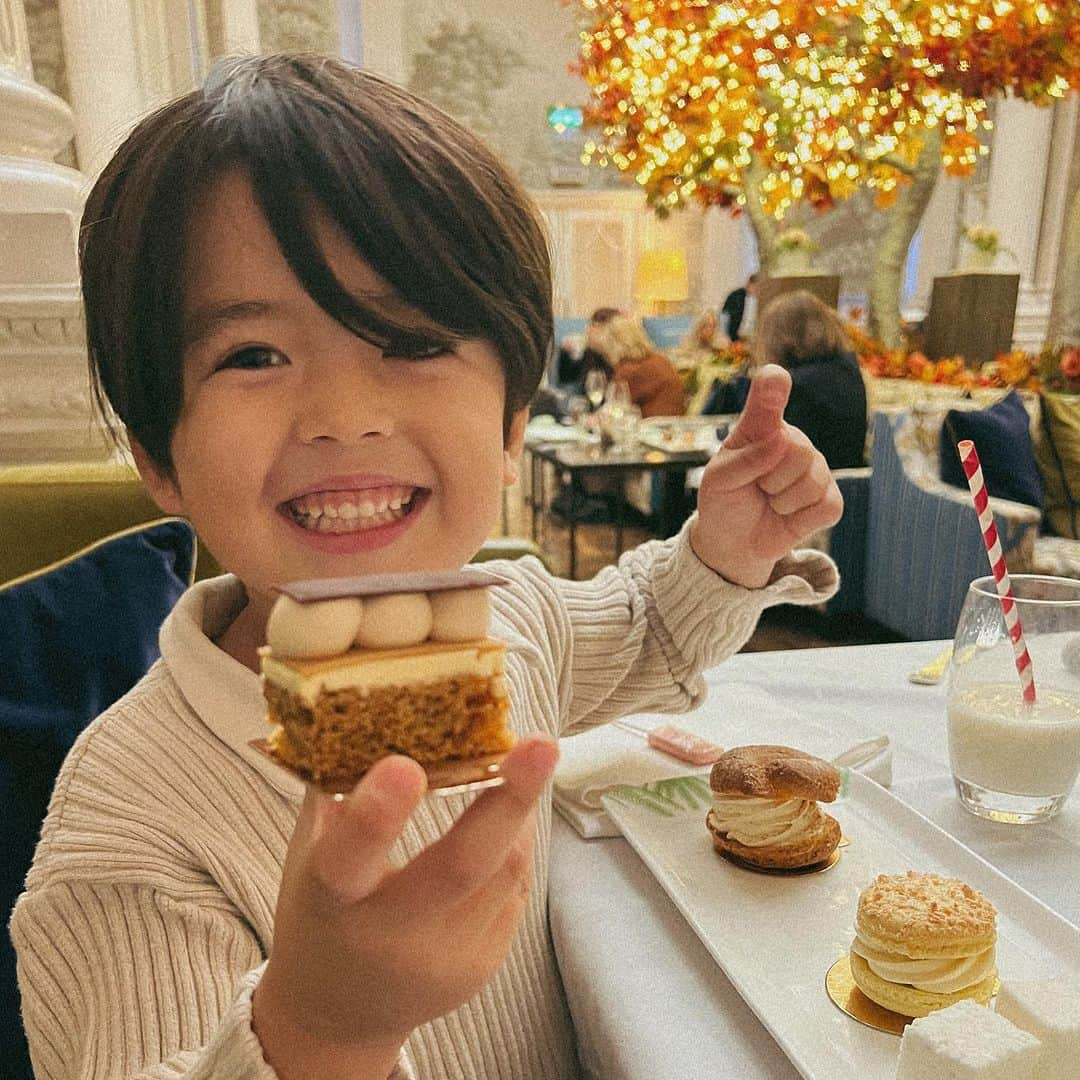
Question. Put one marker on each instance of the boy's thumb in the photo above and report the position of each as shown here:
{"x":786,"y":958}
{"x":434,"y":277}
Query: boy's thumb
{"x":764,"y":410}
{"x":352,"y":835}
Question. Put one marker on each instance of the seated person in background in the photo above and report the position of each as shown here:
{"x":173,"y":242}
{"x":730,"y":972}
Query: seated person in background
{"x":578,"y":354}
{"x":828,"y":395}
{"x":701,"y":345}
{"x":739,"y":310}
{"x":654,"y":384}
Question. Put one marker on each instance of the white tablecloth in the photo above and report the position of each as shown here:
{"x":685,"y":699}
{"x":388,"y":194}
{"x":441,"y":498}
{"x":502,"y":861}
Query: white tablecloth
{"x":648,"y":1000}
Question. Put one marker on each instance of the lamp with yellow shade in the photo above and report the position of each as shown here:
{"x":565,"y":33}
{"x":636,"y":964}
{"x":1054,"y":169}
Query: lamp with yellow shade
{"x":662,"y":282}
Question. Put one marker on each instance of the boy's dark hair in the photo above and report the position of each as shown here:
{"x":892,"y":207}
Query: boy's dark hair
{"x":604,"y":315}
{"x":422,"y":201}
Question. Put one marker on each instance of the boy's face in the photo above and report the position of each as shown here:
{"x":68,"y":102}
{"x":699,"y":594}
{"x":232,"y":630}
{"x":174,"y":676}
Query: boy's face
{"x":302,"y":451}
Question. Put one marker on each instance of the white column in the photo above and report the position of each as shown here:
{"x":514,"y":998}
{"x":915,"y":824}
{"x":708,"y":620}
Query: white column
{"x":937,"y":241}
{"x":728,"y":255}
{"x":372,"y":34}
{"x":1019,"y":157}
{"x":1016,"y":188}
{"x":240,"y":26}
{"x":103,"y":73}
{"x":124,"y":58}
{"x":44,"y":390}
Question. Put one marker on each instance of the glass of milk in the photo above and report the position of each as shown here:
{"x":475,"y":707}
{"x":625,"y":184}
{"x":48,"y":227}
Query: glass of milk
{"x":1012,"y":761}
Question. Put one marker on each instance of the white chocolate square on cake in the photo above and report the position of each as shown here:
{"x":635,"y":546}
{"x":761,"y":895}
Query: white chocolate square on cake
{"x":1049,"y":1009}
{"x":967,"y":1042}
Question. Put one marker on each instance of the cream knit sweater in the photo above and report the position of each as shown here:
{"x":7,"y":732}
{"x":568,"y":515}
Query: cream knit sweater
{"x":149,"y":910}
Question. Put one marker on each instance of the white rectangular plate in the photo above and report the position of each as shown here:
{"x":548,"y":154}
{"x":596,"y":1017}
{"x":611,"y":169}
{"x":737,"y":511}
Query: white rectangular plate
{"x":776,"y":937}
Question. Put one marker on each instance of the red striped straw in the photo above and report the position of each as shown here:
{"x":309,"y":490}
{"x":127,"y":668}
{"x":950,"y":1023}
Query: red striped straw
{"x":969,"y":458}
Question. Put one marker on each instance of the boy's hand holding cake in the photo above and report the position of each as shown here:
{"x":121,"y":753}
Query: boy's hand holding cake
{"x":356,"y":669}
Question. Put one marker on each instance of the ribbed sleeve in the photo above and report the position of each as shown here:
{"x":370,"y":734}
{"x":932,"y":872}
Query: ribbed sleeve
{"x":116,"y":978}
{"x":148,"y":914}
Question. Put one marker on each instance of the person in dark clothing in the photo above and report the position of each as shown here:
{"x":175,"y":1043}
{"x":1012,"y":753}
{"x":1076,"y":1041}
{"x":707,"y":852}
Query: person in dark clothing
{"x":575,"y":358}
{"x":733,"y":311}
{"x":828,"y":395}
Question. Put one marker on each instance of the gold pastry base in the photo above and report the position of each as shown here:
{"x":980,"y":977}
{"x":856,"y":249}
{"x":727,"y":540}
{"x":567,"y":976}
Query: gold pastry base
{"x":783,"y":871}
{"x":846,"y":996}
{"x":446,"y":778}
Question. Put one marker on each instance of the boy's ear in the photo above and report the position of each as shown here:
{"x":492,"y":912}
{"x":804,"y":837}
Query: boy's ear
{"x":157,"y":481}
{"x":515,"y":443}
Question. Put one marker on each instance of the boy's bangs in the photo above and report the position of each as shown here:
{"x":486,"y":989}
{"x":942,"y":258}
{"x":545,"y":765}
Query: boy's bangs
{"x":304,"y":158}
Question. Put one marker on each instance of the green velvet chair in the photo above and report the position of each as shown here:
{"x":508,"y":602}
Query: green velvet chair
{"x":48,"y":512}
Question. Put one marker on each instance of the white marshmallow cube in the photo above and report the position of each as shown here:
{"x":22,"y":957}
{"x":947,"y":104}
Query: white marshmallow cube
{"x":967,"y":1041}
{"x":1049,"y":1009}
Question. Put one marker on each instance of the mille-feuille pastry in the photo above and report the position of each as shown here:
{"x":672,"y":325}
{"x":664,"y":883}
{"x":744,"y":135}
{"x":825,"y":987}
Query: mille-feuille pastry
{"x":765,"y":807}
{"x":923,"y":942}
{"x":358,"y":668}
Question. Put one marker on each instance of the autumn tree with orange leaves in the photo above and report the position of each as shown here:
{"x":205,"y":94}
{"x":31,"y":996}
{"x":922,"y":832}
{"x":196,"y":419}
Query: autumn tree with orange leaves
{"x":763,"y":104}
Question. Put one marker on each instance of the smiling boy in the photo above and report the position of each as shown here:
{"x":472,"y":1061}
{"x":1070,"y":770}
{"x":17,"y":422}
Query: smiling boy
{"x":320,"y":307}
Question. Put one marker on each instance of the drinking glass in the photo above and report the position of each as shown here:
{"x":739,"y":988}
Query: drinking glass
{"x":617,"y":395}
{"x":595,"y":385}
{"x":576,"y":409}
{"x":1012,"y":761}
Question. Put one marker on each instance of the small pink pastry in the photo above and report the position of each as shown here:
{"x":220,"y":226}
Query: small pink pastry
{"x":684,"y":745}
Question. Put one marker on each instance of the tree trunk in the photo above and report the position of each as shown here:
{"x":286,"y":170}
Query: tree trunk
{"x":887,"y":276}
{"x":1065,"y":323}
{"x":764,"y":227}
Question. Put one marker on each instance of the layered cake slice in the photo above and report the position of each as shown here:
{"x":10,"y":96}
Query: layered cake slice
{"x":358,"y":668}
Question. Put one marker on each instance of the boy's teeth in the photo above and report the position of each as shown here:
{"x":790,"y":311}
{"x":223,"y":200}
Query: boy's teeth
{"x":335,"y":514}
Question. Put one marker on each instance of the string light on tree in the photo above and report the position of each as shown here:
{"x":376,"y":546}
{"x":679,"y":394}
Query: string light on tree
{"x":765,"y":103}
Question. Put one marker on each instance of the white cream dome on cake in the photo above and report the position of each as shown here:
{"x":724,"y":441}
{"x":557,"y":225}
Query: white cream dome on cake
{"x":304,"y":631}
{"x":394,"y":620}
{"x":460,"y":614}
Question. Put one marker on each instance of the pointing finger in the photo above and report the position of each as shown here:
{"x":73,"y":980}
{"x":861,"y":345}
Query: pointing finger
{"x":763,"y":413}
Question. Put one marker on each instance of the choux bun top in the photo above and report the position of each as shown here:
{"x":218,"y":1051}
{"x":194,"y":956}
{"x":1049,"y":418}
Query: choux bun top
{"x":313,"y":619}
{"x":774,"y":772}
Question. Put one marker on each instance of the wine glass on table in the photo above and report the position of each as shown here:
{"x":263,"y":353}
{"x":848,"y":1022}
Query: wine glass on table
{"x":595,"y":385}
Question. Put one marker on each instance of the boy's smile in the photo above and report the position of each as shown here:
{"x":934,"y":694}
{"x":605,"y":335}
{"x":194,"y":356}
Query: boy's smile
{"x":303,"y":451}
{"x":355,"y":513}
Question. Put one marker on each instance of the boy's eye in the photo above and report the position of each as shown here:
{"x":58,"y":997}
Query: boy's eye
{"x":252,"y":358}
{"x":414,"y":350}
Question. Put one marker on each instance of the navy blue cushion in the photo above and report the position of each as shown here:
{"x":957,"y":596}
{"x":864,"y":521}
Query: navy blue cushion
{"x":73,"y":638}
{"x":1002,"y":437}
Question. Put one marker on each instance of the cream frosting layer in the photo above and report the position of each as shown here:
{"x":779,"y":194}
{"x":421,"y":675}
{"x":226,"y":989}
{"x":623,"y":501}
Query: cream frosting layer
{"x":388,"y":670}
{"x":757,"y":822}
{"x":942,"y":975}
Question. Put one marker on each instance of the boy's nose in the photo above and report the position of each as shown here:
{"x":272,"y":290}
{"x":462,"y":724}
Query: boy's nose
{"x":343,"y":402}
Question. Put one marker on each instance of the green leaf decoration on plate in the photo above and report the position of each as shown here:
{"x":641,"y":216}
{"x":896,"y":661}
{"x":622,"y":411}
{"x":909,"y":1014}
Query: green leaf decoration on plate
{"x":844,"y":781}
{"x":666,"y":797}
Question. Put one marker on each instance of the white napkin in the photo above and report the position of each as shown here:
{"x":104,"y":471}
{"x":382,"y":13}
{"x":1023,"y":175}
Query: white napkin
{"x":598,"y":760}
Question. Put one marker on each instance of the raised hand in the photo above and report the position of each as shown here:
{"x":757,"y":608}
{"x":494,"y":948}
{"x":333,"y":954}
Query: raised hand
{"x":766,"y":490}
{"x":364,"y":952}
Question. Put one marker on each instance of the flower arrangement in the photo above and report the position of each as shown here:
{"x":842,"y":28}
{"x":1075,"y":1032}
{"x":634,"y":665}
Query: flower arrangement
{"x":795,"y":240}
{"x":983,"y":238}
{"x":1059,"y":368}
{"x":1016,"y":368}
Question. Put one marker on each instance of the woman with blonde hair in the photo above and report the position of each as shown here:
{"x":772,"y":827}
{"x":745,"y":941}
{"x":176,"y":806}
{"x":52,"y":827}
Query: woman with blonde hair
{"x":828,"y":395}
{"x":653,"y":382}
